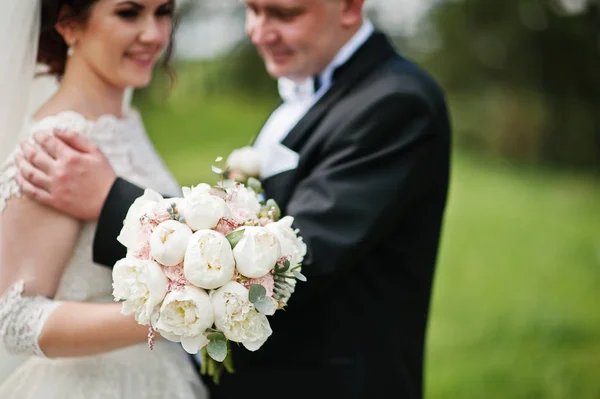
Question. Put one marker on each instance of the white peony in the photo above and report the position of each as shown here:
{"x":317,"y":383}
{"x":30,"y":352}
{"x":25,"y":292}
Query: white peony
{"x":169,"y":241}
{"x":257,"y":252}
{"x":237,"y":317}
{"x":201,"y":209}
{"x":142,"y":285}
{"x":243,"y":203}
{"x":209,"y":260}
{"x":292,"y":244}
{"x":246,"y":160}
{"x":184,"y":317}
{"x":132,"y":225}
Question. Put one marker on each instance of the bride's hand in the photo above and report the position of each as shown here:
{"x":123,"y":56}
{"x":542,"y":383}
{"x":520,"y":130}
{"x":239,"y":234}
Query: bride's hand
{"x":69,"y":173}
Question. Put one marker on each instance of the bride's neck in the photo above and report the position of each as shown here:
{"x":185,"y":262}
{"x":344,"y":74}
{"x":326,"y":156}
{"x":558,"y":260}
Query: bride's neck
{"x":94,"y":96}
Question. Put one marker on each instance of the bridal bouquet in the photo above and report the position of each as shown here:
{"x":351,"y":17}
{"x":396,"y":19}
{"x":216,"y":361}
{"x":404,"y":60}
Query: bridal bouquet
{"x":208,"y":268}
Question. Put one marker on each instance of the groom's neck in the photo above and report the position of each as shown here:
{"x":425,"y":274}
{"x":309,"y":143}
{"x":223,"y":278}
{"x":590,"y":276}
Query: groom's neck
{"x":341,"y":40}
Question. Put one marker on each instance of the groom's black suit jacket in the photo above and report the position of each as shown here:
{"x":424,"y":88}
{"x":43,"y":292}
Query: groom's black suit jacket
{"x":368,"y":196}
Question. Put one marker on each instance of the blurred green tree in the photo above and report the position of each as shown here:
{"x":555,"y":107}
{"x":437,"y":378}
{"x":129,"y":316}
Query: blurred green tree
{"x":525,"y":78}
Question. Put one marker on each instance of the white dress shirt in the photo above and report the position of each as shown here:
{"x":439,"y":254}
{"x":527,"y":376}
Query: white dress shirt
{"x":298,"y":98}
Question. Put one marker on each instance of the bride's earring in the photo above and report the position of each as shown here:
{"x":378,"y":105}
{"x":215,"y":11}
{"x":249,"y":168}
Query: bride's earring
{"x":70,"y":50}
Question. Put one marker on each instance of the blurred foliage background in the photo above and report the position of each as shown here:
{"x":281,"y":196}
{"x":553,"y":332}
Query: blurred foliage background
{"x":516,"y":297}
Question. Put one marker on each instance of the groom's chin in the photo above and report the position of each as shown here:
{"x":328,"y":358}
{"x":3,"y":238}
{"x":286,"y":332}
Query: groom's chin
{"x":278,"y":68}
{"x":274,"y":70}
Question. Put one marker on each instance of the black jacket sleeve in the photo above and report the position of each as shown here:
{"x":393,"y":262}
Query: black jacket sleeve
{"x":107,"y":250}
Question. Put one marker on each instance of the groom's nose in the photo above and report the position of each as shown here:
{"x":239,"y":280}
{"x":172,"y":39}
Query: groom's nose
{"x":260,"y":30}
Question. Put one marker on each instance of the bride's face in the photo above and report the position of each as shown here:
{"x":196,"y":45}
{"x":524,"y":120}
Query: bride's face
{"x":122,"y":40}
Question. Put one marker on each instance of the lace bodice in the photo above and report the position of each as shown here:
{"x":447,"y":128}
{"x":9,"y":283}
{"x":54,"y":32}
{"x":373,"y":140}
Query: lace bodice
{"x":126,"y":145}
{"x":165,"y":372}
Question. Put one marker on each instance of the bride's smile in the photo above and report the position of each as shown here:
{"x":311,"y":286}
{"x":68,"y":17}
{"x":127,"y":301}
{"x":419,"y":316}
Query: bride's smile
{"x":119,"y":41}
{"x":143,"y":60}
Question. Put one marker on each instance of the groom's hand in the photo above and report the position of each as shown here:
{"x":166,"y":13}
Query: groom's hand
{"x":68,"y":173}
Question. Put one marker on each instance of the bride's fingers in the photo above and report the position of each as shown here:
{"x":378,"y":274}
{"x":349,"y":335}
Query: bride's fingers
{"x":33,"y":192}
{"x":38,"y":158}
{"x":29,"y":173}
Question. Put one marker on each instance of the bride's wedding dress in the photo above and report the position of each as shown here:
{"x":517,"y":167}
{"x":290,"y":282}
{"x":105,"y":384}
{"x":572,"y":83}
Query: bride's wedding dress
{"x":133,"y":372}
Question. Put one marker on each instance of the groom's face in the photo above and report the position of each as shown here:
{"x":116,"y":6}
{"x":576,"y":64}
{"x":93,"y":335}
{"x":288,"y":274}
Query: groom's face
{"x":299,"y":38}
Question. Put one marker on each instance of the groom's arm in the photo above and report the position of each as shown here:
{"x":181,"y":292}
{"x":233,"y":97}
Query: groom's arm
{"x":372,"y":171}
{"x":107,"y":250}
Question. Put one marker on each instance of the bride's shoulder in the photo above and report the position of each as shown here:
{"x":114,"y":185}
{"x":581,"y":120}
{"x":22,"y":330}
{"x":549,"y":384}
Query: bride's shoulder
{"x":57,"y":114}
{"x":66,"y":119}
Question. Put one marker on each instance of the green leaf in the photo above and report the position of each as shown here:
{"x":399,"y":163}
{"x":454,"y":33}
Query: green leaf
{"x":299,"y":275}
{"x":217,"y":350}
{"x":272,"y":204}
{"x":235,"y":237}
{"x":204,"y":362}
{"x":210,"y":365}
{"x":283,"y":268}
{"x":257,"y":292}
{"x":255,"y":185}
{"x":228,"y":362}
{"x":216,"y":336}
{"x":265,"y":306}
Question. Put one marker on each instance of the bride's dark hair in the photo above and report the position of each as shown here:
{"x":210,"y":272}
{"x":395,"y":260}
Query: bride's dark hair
{"x":52,"y":48}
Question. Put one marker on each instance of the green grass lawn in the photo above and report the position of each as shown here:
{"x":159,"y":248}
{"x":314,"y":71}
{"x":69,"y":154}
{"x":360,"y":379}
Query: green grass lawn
{"x":516,"y":302}
{"x":516,"y":310}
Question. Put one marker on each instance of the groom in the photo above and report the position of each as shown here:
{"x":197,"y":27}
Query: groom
{"x":358,"y":153}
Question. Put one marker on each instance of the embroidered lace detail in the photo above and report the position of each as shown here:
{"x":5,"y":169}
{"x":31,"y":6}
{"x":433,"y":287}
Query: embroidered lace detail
{"x":22,"y":319}
{"x":128,"y":373}
{"x":8,"y":184}
{"x":123,"y":141}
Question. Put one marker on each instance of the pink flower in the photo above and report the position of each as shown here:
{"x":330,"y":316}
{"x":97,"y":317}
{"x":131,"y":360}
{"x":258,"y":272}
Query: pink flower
{"x":266,"y":281}
{"x":176,"y":277}
{"x":226,"y":226}
{"x":143,"y":250}
{"x":217,"y":193}
{"x":157,"y":216}
{"x":243,"y":203}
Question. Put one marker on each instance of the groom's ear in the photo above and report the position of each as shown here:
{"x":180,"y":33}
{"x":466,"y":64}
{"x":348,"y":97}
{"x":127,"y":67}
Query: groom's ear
{"x":352,"y":12}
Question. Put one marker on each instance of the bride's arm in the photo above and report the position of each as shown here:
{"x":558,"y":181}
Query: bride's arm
{"x":83,"y":329}
{"x":36,"y":243}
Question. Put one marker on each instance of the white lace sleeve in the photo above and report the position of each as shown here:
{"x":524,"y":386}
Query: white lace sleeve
{"x":22,"y":319}
{"x":65,"y":120}
{"x":8,"y":184}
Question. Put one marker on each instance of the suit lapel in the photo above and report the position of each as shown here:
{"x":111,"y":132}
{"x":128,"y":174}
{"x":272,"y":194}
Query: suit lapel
{"x":375,"y":51}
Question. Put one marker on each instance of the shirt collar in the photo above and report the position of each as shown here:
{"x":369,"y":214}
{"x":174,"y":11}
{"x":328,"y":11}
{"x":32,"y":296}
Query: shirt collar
{"x":290,"y":90}
{"x":347,"y":51}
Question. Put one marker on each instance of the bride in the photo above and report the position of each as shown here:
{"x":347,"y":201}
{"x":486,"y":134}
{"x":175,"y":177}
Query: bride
{"x":56,"y":310}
